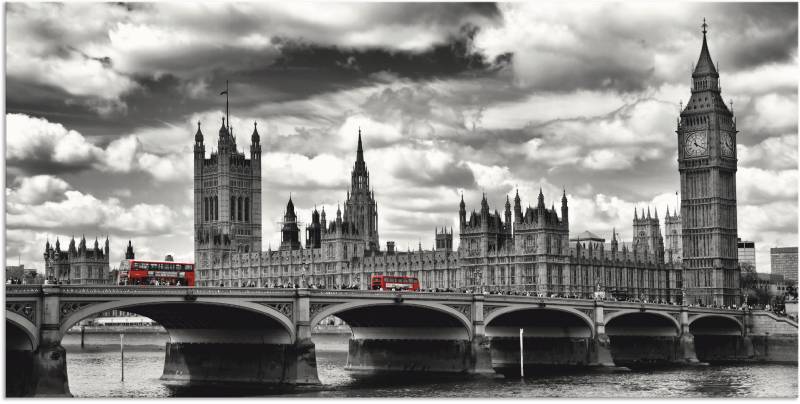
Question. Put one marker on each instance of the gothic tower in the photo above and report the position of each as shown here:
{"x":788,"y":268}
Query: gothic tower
{"x":707,"y":164}
{"x":290,"y":232}
{"x":227,"y":199}
{"x":647,"y":235}
{"x":672,"y":238}
{"x":360,"y":207}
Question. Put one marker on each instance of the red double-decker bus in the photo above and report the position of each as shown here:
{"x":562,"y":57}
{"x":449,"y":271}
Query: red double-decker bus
{"x":168,"y":273}
{"x":389,"y":282}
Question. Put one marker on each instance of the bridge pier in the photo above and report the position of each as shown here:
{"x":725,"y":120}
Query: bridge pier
{"x":481,"y":344}
{"x":50,"y":358}
{"x":302,"y":362}
{"x":686,"y":351}
{"x":600,"y":347}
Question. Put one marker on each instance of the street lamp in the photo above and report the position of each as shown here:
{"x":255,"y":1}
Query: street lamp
{"x":477,"y":275}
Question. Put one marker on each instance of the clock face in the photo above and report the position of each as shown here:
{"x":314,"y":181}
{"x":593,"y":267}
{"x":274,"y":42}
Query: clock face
{"x":727,"y":144}
{"x":696,"y":144}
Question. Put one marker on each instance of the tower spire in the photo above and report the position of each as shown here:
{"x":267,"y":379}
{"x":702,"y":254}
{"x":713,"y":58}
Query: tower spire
{"x":360,"y":150}
{"x":227,"y":106}
{"x":705,"y":66}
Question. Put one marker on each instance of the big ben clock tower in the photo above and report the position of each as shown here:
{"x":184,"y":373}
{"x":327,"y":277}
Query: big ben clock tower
{"x":707,"y":165}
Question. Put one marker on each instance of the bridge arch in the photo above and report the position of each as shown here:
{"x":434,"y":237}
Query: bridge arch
{"x":637,"y":313}
{"x":715,"y":324}
{"x":21,"y":333}
{"x":511,"y":309}
{"x":214,"y":313}
{"x":449,"y":316}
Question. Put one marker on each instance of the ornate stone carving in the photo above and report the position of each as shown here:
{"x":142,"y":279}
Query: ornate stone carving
{"x":315,"y":308}
{"x":283,"y":308}
{"x":489,"y":308}
{"x":68,"y":308}
{"x":589,"y":313}
{"x":24,"y":309}
{"x":464,"y":309}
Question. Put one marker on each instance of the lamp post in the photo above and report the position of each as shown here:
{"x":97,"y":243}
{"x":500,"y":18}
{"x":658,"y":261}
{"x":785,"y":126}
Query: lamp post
{"x":477,"y":276}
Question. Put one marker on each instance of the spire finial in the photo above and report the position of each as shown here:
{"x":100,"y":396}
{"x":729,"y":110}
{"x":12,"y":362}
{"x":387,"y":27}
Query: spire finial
{"x":705,"y":26}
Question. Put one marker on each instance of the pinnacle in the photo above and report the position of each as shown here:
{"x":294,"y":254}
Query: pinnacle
{"x":705,"y":66}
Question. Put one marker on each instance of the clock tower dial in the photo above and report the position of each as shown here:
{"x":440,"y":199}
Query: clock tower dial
{"x":727,"y":144}
{"x":707,"y":165}
{"x":696,"y":144}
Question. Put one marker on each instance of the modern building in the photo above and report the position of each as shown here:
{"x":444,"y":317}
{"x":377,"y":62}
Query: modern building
{"x":530,"y":251}
{"x":783,"y":261}
{"x":77,"y":265}
{"x":707,"y":165}
{"x":747,"y":253}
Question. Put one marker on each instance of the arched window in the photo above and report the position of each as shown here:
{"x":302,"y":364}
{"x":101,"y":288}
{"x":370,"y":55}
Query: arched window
{"x":239,"y":209}
{"x":233,"y":208}
{"x":216,"y":208}
{"x":205,"y":209}
{"x":246,"y":209}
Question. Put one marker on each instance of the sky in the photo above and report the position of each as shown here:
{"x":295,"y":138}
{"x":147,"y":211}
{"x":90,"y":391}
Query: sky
{"x":103,"y":100}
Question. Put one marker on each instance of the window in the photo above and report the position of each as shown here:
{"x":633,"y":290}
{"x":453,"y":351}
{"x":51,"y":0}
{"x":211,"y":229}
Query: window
{"x":233,"y":208}
{"x":216,"y":209}
{"x":246,"y":209}
{"x":239,"y":209}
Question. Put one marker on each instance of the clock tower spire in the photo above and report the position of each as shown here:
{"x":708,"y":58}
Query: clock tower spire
{"x":707,"y":165}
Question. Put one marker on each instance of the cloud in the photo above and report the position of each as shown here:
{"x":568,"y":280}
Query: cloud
{"x":759,"y":186}
{"x":637,"y":132}
{"x":82,"y":212}
{"x":36,"y":145}
{"x":33,"y":141}
{"x":37,"y":189}
{"x":774,"y":153}
{"x":774,"y":111}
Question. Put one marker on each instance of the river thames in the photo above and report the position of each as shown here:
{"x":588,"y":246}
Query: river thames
{"x":95,"y":372}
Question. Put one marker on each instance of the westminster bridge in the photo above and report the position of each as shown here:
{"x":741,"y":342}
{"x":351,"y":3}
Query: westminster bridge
{"x":263,"y":336}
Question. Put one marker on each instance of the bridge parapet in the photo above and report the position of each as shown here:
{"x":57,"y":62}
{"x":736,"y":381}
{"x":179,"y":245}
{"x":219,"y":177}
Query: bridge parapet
{"x":23,"y":290}
{"x":383,"y":294}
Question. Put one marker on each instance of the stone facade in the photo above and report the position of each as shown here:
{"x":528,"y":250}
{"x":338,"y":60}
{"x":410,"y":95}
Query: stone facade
{"x":673,"y":247}
{"x":227,"y":199}
{"x":707,"y":165}
{"x":77,"y":265}
{"x":360,"y":207}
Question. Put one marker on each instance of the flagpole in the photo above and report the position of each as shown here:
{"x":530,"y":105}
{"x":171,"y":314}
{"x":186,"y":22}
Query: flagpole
{"x":227,"y":111}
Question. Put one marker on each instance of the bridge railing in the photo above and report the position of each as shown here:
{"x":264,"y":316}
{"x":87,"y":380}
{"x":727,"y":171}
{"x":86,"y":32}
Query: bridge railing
{"x":23,"y":290}
{"x":389,"y":294}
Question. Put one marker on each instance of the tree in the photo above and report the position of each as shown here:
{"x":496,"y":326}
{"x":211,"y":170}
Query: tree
{"x":749,"y":284}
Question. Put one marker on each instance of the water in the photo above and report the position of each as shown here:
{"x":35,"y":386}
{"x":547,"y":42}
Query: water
{"x":95,"y":372}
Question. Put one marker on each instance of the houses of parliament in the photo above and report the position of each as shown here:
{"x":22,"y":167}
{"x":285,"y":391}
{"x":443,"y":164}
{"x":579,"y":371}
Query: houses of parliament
{"x":527,"y":250}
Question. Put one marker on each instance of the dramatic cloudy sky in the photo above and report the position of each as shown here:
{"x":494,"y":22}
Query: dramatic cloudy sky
{"x":103,"y":100}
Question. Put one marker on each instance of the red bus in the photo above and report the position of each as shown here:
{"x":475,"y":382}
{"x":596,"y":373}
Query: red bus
{"x":389,"y":282}
{"x":140,"y":272}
